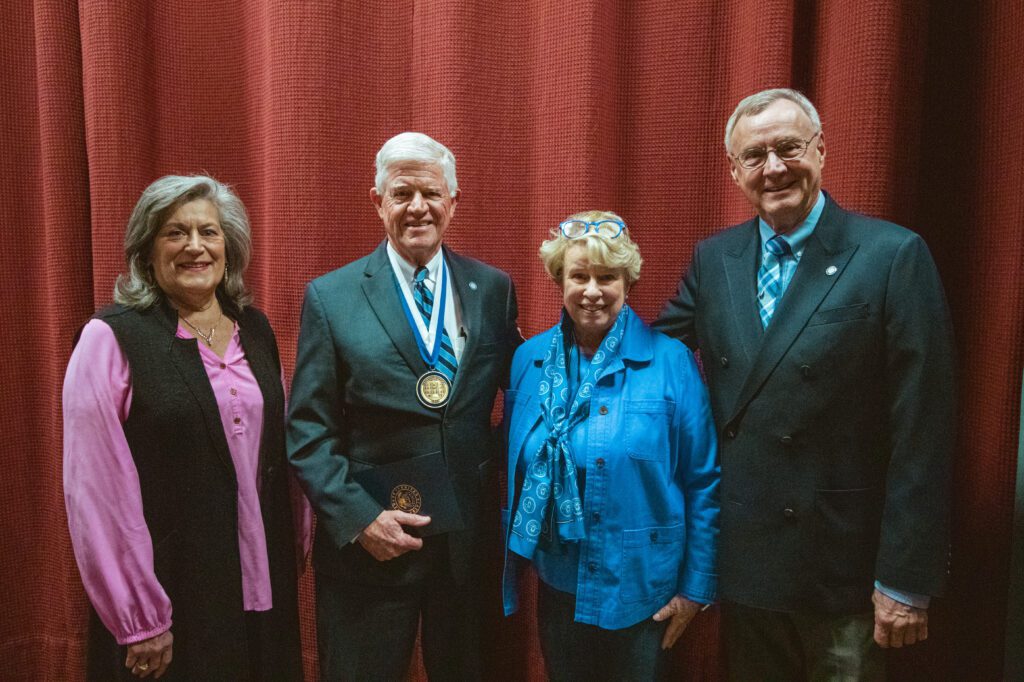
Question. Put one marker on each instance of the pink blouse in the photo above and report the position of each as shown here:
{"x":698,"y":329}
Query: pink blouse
{"x":112,"y":544}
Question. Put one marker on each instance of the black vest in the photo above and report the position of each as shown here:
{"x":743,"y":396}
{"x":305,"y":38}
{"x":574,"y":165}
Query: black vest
{"x":190,"y":502}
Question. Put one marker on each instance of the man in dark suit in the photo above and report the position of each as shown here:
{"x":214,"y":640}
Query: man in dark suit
{"x":827,"y":346}
{"x":400,"y":355}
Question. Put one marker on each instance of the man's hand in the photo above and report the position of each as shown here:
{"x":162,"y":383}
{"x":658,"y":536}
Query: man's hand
{"x":386,"y":539}
{"x":150,"y":656}
{"x":898,"y":624}
{"x":682,"y":611}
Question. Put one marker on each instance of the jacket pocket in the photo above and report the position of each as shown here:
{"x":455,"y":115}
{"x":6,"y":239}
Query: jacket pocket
{"x":647,"y":427}
{"x":846,"y":535}
{"x":860,"y":311}
{"x":651,"y":558}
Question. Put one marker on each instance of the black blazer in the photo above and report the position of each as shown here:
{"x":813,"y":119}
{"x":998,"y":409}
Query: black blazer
{"x":836,"y":425}
{"x":354,"y":406}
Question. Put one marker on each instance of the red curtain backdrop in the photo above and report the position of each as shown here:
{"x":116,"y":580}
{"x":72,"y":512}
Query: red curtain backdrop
{"x":551,"y":106}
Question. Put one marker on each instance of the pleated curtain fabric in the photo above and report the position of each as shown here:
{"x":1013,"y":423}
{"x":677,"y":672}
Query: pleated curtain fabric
{"x":551,"y":107}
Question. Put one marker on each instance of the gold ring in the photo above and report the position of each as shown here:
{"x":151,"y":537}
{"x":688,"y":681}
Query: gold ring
{"x":142,"y":666}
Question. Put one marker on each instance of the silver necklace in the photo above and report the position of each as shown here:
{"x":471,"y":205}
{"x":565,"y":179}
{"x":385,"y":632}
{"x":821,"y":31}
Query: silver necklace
{"x":208,"y":338}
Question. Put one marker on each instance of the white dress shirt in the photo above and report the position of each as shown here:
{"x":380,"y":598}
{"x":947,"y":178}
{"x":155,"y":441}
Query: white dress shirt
{"x":406,"y":274}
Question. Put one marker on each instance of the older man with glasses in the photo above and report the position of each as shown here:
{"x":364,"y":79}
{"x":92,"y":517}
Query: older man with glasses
{"x":828,"y":350}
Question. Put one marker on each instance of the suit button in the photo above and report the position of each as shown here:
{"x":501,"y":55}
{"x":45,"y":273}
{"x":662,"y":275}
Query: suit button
{"x":789,"y":513}
{"x":592,"y":567}
{"x":654,"y":536}
{"x":596,"y":516}
{"x":786,"y":440}
{"x":599,"y":462}
{"x":731,"y":433}
{"x":725,"y":361}
{"x":270,"y":471}
{"x":604,"y":409}
{"x":805,"y":371}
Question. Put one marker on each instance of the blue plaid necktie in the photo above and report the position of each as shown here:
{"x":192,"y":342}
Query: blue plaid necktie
{"x":424,"y":298}
{"x":769,"y":277}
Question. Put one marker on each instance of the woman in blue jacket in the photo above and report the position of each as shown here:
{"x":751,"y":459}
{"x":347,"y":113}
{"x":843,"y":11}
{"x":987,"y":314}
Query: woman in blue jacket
{"x":613,"y":479}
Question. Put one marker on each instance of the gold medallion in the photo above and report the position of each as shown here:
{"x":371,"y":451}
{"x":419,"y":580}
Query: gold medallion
{"x":433,"y":389}
{"x":406,"y":498}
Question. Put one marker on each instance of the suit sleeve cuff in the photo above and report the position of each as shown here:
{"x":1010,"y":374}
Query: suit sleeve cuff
{"x":918,"y":601}
{"x":699,"y":587}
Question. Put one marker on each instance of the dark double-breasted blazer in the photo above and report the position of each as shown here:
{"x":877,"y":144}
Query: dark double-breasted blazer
{"x":836,"y":424}
{"x":353,"y":406}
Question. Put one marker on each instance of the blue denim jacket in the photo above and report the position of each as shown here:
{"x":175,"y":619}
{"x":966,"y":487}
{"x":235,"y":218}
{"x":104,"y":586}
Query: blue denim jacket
{"x":650,"y":502}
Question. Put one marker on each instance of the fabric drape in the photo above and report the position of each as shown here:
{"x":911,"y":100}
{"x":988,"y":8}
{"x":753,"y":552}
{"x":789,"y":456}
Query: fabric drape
{"x":551,"y":107}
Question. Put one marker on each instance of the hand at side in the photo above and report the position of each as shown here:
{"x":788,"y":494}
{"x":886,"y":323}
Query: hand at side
{"x":150,"y":656}
{"x":680,"y":611}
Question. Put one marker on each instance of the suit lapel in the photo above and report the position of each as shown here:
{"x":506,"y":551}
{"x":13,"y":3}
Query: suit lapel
{"x":469,"y":300}
{"x":826,"y":248}
{"x":382,"y":297}
{"x":740,"y":265}
{"x":266,"y":372}
{"x":185,"y":358}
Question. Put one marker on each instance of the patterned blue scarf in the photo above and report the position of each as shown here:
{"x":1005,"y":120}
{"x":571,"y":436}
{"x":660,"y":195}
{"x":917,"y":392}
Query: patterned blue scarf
{"x":550,"y":512}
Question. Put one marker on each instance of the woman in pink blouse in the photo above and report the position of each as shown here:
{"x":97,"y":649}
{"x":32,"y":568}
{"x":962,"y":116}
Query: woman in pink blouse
{"x":175,"y":478}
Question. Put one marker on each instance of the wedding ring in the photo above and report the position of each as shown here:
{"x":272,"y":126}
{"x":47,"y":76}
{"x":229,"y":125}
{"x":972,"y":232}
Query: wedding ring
{"x":142,"y":666}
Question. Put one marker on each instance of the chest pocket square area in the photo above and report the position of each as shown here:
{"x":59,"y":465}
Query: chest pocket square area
{"x":846,"y":313}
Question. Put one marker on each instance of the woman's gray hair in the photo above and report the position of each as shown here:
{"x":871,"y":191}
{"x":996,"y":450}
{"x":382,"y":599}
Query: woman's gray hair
{"x":138,"y":288}
{"x":614,"y":253}
{"x":758,"y":102}
{"x":415,"y":147}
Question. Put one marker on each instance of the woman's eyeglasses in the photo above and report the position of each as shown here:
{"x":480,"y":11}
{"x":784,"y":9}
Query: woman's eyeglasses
{"x":573,"y":229}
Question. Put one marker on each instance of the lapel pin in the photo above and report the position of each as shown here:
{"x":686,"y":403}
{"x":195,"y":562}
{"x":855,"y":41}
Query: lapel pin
{"x":472,"y":285}
{"x":831,"y":270}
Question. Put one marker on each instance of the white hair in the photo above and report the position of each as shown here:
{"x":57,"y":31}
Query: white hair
{"x":415,"y":147}
{"x":758,"y":102}
{"x":138,"y":287}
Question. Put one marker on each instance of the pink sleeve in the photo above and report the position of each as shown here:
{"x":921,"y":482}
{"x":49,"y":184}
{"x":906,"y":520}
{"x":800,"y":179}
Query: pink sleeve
{"x":112,"y":544}
{"x":302,"y":510}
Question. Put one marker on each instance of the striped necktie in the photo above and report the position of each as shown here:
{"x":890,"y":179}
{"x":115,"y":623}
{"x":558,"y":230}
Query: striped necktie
{"x":424,"y":298}
{"x":769,"y":277}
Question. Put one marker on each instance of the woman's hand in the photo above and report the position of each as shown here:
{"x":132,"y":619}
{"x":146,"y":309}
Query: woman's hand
{"x":681,"y":611}
{"x":150,"y":656}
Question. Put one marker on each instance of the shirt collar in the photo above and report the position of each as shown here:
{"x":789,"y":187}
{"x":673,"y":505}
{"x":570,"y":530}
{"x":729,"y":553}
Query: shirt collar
{"x":408,"y":270}
{"x":797,"y":238}
{"x":636,"y":342}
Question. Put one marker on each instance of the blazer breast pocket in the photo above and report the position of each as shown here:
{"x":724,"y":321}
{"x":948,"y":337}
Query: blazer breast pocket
{"x":846,"y":313}
{"x":647,"y":428}
{"x":487,"y":346}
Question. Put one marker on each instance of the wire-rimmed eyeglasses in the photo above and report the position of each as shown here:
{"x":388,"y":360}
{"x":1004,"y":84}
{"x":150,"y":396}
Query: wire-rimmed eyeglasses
{"x":787,"y":150}
{"x":573,"y":229}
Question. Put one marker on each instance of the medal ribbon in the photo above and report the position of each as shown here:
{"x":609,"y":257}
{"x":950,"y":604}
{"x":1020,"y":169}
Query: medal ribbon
{"x":429,"y":355}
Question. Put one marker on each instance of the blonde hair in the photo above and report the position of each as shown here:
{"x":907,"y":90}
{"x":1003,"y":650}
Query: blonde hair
{"x":614,"y":253}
